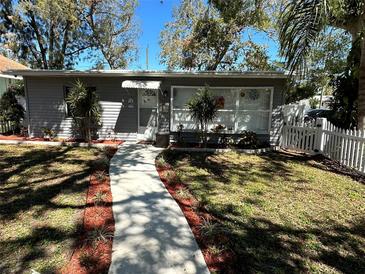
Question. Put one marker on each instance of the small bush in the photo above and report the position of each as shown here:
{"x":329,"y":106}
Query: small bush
{"x":100,"y":175}
{"x":171,"y":177}
{"x":87,"y":260}
{"x":11,"y":110}
{"x":99,"y":234}
{"x":183,"y":194}
{"x":227,"y":141}
{"x":161,"y":162}
{"x":210,"y":230}
{"x":48,"y":133}
{"x":218,"y":128}
{"x":248,"y":139}
{"x":100,"y":164}
{"x":215,"y":250}
{"x":99,"y":198}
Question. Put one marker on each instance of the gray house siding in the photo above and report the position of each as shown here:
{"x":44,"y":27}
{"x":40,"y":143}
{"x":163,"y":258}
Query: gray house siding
{"x":120,"y":106}
{"x":47,"y":106}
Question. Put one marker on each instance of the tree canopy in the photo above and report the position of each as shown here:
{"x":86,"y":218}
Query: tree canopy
{"x":303,"y":24}
{"x":209,"y":36}
{"x":53,"y":34}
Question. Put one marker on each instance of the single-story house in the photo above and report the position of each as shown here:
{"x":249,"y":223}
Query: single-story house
{"x":138,"y":104}
{"x":5,"y":79}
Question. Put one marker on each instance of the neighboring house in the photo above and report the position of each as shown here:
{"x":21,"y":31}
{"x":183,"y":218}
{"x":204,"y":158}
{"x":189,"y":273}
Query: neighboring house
{"x":137,"y":104}
{"x":5,"y":79}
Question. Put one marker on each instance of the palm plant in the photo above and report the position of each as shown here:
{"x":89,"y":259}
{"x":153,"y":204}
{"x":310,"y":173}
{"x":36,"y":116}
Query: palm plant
{"x":302,"y":22}
{"x":85,"y":109}
{"x":203,"y":109}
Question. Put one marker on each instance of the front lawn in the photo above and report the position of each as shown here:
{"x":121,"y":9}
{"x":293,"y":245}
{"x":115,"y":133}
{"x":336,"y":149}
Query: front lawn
{"x":42,"y":197}
{"x":281,"y":213}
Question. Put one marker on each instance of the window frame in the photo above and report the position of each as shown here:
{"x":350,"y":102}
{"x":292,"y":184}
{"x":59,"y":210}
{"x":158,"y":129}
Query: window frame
{"x":236,"y":111}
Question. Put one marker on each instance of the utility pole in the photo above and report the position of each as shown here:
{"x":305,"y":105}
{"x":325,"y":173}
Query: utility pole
{"x":147,"y":57}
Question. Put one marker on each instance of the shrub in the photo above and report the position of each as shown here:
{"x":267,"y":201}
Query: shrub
{"x":11,"y":110}
{"x":314,"y":103}
{"x":99,"y":198}
{"x":161,"y":162}
{"x":183,"y":194}
{"x":248,"y":139}
{"x":227,"y":141}
{"x":99,"y":234}
{"x":85,"y":109}
{"x":218,"y":128}
{"x":171,"y":177}
{"x":100,"y":175}
{"x":215,"y":250}
{"x":17,"y":88}
{"x":203,"y":109}
{"x":210,"y":230}
{"x":100,"y":164}
{"x":48,"y":133}
{"x":87,"y":260}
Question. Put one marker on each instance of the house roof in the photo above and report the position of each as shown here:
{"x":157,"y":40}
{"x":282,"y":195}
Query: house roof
{"x":7,"y":64}
{"x":148,"y":73}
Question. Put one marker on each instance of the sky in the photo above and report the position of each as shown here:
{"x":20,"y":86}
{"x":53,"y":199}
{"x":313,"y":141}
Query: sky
{"x":151,"y":16}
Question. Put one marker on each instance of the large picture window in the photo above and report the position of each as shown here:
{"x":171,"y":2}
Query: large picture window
{"x":239,"y":108}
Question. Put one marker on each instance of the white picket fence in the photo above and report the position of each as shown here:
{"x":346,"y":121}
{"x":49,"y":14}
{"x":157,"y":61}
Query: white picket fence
{"x":322,"y":137}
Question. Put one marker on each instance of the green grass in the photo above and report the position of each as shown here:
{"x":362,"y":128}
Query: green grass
{"x":42,"y":196}
{"x":281,"y":213}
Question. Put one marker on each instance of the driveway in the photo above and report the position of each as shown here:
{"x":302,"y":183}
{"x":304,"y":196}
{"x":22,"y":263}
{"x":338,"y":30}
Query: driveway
{"x":151,"y":233}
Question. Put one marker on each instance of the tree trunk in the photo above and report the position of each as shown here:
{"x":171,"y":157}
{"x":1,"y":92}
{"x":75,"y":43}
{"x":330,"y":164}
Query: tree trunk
{"x":361,"y":98}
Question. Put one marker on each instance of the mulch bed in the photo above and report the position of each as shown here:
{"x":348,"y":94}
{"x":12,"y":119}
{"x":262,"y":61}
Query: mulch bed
{"x":69,"y":140}
{"x":195,"y":215}
{"x":215,"y":146}
{"x":94,"y":256}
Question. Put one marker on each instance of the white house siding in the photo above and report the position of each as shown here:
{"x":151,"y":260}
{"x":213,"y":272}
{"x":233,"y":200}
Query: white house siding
{"x":47,"y":106}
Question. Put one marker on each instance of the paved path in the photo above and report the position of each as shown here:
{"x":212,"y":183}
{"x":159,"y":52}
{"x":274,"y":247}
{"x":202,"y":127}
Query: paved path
{"x":151,"y":233}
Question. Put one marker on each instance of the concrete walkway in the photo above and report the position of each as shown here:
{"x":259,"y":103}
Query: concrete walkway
{"x":151,"y":233}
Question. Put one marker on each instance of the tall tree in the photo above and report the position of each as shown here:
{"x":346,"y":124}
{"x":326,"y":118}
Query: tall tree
{"x":301,"y":24}
{"x":209,"y":36}
{"x":52,"y":34}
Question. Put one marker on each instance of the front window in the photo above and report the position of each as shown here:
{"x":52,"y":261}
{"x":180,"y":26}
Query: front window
{"x":239,"y":108}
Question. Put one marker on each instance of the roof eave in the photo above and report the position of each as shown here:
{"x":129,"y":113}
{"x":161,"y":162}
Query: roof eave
{"x":152,"y":74}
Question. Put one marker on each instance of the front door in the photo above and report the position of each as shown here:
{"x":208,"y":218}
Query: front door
{"x":147,"y":114}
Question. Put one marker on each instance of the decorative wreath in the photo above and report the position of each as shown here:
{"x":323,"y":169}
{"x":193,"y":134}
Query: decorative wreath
{"x":219,"y":101}
{"x":253,"y":95}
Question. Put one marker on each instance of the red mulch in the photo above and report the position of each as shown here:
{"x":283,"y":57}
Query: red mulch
{"x":223,"y":262}
{"x":95,"y":216}
{"x":23,"y":138}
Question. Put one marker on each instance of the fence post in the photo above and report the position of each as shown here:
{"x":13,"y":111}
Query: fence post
{"x":320,"y":126}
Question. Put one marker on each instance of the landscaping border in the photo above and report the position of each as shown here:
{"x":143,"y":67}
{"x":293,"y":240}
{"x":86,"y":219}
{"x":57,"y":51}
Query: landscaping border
{"x":62,"y":143}
{"x":93,"y":249}
{"x":223,"y":150}
{"x":220,"y":263}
